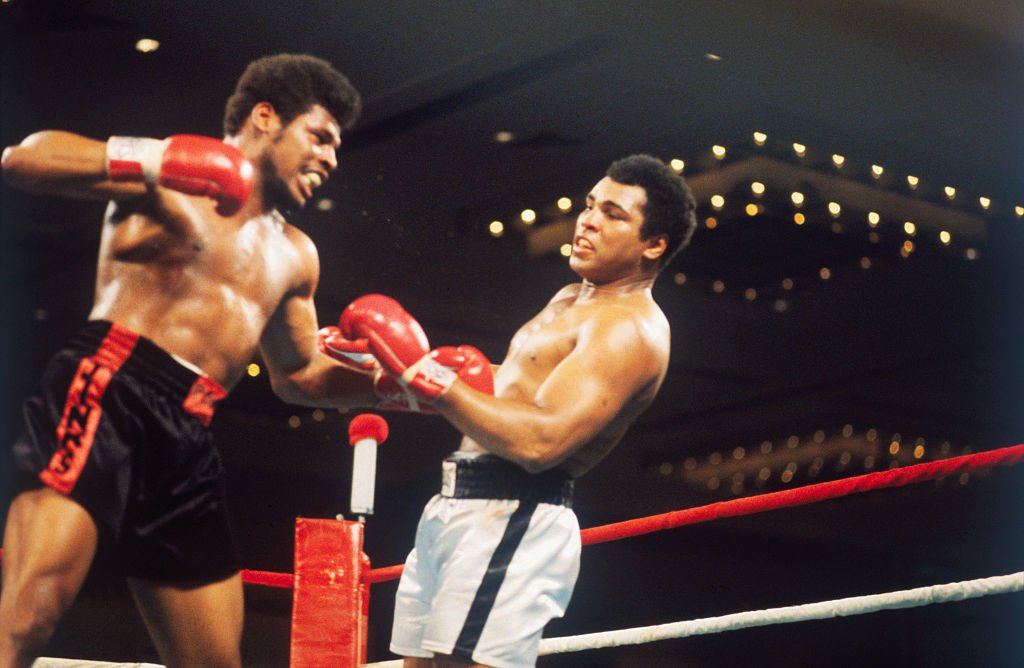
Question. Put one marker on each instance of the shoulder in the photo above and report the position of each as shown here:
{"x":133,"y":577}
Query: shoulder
{"x":633,"y":324}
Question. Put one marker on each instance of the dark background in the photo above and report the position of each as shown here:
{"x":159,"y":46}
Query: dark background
{"x":921,"y":350}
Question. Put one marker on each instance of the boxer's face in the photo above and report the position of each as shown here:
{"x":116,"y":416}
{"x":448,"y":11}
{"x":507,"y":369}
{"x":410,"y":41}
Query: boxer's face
{"x":301,"y":157}
{"x":606,"y":242}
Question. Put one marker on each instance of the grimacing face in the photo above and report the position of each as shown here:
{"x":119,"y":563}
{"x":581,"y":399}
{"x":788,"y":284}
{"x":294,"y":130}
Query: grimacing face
{"x":301,"y":157}
{"x":606,"y":242}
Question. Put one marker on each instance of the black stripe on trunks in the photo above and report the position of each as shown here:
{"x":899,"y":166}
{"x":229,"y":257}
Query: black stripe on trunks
{"x":487,"y":592}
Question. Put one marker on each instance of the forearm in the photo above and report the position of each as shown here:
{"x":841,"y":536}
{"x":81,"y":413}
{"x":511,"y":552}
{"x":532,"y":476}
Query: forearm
{"x":325,"y":384}
{"x":62,"y":163}
{"x":526,"y":434}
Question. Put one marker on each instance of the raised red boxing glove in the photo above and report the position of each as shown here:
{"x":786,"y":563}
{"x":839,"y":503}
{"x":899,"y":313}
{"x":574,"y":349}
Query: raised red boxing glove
{"x":466,"y":362}
{"x":353,"y":354}
{"x":190,"y":164}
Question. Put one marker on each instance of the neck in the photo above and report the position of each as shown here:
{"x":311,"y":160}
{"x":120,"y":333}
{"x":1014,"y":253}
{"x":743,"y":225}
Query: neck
{"x":625,"y":286}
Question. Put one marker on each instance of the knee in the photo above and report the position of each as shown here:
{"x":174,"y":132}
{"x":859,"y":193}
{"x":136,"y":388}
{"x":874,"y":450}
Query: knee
{"x":27,"y":625}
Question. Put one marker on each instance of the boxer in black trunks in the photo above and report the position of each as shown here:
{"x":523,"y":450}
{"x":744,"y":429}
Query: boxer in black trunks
{"x":197,"y":272}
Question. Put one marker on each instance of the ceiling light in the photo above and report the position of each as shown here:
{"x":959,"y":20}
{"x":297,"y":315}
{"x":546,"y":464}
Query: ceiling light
{"x":799,"y":149}
{"x":564,"y":204}
{"x":718,"y":150}
{"x":528,"y":216}
{"x":760,"y":138}
{"x":950,"y":192}
{"x":877,"y":170}
{"x":147,"y":45}
{"x":677,"y":165}
{"x":838,"y":160}
{"x":504,"y":137}
{"x":496,"y":228}
{"x":984,"y":202}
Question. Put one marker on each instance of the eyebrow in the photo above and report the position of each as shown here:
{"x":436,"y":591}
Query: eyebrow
{"x":610,"y":202}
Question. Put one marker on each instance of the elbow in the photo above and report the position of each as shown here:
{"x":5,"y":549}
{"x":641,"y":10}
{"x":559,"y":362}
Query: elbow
{"x":540,"y":458}
{"x":20,"y":169}
{"x":287,"y":390}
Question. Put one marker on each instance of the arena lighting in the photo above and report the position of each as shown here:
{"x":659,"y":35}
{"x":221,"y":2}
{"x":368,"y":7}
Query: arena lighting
{"x":760,"y":138}
{"x":496,"y":228}
{"x":838,"y":160}
{"x":1019,"y":210}
{"x":913,"y":181}
{"x":253,"y":369}
{"x":564,"y":204}
{"x":877,"y":171}
{"x":799,"y":149}
{"x":147,"y":45}
{"x":717,"y":201}
{"x":718,"y":151}
{"x":985,"y":202}
{"x":950,"y":192}
{"x":528,"y":216}
{"x":677,"y":165}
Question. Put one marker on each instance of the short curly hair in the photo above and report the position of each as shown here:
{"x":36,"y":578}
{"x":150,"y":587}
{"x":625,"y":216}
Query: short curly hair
{"x":670,"y":207}
{"x":292,"y":83}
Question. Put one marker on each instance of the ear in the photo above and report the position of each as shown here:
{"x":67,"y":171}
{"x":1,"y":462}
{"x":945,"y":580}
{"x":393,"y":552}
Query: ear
{"x":656,"y":247}
{"x":264,"y":118}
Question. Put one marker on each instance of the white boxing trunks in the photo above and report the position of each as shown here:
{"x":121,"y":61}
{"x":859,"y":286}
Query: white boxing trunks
{"x":496,"y":557}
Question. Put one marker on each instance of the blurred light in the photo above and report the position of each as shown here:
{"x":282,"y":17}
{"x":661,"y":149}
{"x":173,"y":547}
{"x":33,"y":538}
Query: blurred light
{"x":913,"y":181}
{"x":874,"y":218}
{"x":40,"y":314}
{"x":760,"y":138}
{"x":679,"y":278}
{"x":564,"y":204}
{"x":984,"y":202}
{"x":780,"y":305}
{"x":869,"y":462}
{"x":836,"y":227}
{"x":873,"y":237}
{"x":565,"y":250}
{"x":825,"y":273}
{"x":877,"y":171}
{"x":677,"y":165}
{"x":504,"y":137}
{"x":871,"y":435}
{"x":1019,"y":210}
{"x":758,"y":188}
{"x":835,"y":209}
{"x":496,"y":228}
{"x":950,"y":192}
{"x":865,"y":263}
{"x":847,"y":430}
{"x":665,"y":468}
{"x":712,"y":56}
{"x":739,"y":452}
{"x":787,"y":284}
{"x":918,"y":451}
{"x":294,"y":422}
{"x":325,"y":204}
{"x":717,"y":201}
{"x":750,"y":294}
{"x":147,"y":45}
{"x":819,"y":436}
{"x":253,"y":369}
{"x":838,"y":160}
{"x":718,"y":151}
{"x":528,"y":216}
{"x":752,"y":209}
{"x":971,"y":254}
{"x":910,"y":228}
{"x":907,"y":248}
{"x":945,"y":237}
{"x":799,"y":149}
{"x":711,"y":222}
{"x":894,"y":447}
{"x":786,"y":476}
{"x":715,"y":458}
{"x":318,"y":415}
{"x":797,"y":198}
{"x":718,"y":287}
{"x":799,"y":218}
{"x":764,"y":473}
{"x":766,"y":447}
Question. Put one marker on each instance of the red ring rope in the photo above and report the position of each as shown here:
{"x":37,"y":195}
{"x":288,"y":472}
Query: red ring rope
{"x":734,"y":507}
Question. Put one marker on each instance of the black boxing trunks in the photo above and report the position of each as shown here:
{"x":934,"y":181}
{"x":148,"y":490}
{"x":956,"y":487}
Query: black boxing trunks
{"x":122,"y":428}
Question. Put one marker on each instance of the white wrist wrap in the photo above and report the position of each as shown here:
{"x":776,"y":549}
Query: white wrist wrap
{"x":135,"y":158}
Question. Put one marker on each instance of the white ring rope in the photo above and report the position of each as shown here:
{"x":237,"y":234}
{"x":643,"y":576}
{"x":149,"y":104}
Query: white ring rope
{"x":843,"y":607}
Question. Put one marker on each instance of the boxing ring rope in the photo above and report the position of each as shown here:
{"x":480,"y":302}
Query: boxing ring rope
{"x":348,"y":571}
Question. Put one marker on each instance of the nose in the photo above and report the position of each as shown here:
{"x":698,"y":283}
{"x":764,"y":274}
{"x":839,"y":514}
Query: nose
{"x":585,"y":219}
{"x":328,"y":156}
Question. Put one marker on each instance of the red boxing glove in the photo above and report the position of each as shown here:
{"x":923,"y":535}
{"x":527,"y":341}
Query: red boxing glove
{"x":190,"y":164}
{"x":468,"y":364}
{"x":353,"y":354}
{"x":394,"y":337}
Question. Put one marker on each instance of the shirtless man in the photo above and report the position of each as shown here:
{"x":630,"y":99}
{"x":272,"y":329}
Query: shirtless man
{"x":497,"y":550}
{"x":195,"y":276}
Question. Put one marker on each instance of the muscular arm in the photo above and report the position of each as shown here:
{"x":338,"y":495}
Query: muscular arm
{"x":54,"y":162}
{"x":585,"y":392}
{"x":299,"y":373}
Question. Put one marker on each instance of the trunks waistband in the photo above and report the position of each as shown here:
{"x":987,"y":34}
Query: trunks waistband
{"x":491,"y":477}
{"x":139,"y":357}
